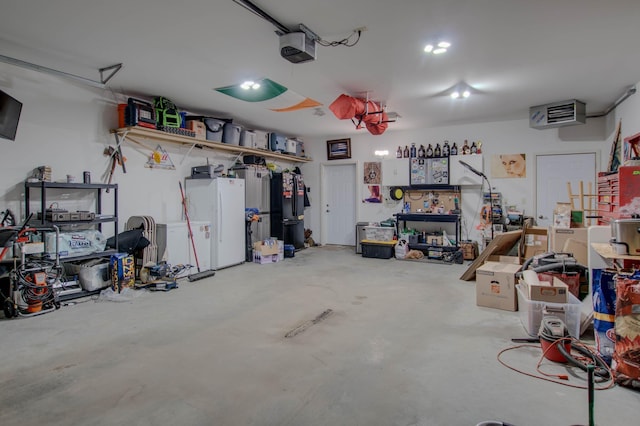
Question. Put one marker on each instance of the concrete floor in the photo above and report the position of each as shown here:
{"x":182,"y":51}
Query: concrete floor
{"x":405,"y":345}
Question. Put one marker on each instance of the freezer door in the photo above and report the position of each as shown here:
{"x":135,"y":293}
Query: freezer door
{"x":221,"y":202}
{"x":294,"y":234}
{"x":229,"y":224}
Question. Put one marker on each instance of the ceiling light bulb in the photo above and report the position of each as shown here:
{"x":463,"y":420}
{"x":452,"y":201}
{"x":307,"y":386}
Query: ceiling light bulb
{"x":428,"y":48}
{"x":455,"y":95}
{"x":439,"y":50}
{"x":255,"y":86}
{"x":444,"y":44}
{"x":466,"y":94}
{"x":247,"y":84}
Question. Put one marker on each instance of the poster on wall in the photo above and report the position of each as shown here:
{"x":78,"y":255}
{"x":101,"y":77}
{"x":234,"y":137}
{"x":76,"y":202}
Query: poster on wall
{"x":372,"y":177}
{"x":509,"y":166}
{"x":372,"y":173}
{"x":374,"y":194}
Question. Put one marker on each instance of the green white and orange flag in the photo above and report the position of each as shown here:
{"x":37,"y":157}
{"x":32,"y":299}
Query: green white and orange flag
{"x":270,"y":94}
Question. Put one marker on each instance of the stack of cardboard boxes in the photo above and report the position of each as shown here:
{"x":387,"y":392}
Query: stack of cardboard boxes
{"x":499,"y":284}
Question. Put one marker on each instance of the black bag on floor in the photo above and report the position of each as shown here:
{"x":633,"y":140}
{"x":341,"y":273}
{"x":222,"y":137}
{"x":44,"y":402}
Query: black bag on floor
{"x":129,"y":241}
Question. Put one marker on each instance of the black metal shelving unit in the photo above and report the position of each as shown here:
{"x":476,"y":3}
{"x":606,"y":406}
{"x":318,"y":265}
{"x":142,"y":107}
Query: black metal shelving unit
{"x":99,"y":190}
{"x":430,"y":217}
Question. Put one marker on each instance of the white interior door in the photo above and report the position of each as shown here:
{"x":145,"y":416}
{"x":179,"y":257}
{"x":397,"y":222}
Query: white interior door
{"x":339,"y":204}
{"x":553,"y":171}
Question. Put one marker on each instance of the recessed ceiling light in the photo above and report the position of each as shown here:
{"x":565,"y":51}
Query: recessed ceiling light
{"x":437,"y":48}
{"x":250,"y":85}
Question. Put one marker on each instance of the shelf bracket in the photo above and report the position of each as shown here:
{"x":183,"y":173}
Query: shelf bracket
{"x":188,"y":153}
{"x":235,"y":160}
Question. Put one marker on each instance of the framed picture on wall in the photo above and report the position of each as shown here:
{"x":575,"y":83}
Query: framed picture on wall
{"x":339,"y":149}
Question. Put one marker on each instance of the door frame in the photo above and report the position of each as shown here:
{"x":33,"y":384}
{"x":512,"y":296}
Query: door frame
{"x":544,"y":154}
{"x":324,"y":170}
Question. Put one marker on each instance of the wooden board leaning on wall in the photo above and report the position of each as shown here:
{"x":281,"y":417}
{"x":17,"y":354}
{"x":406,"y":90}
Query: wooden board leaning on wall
{"x":424,"y":200}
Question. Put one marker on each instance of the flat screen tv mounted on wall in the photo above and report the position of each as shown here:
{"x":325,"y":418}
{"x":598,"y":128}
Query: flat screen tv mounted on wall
{"x":10,"y":109}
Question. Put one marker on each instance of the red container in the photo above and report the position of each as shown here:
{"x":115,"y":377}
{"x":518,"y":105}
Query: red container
{"x":550,"y":349}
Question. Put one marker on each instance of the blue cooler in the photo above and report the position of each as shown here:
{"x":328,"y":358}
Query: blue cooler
{"x":277,"y":142}
{"x":289,"y":250}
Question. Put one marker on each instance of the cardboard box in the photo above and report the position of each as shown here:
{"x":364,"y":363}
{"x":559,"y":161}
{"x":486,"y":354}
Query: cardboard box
{"x":469,"y":250}
{"x":262,"y":259}
{"x":434,"y":239}
{"x":266,"y":248}
{"x":544,"y":291}
{"x":562,"y":215}
{"x":123,"y":273}
{"x":198,"y":127}
{"x":570,"y":240}
{"x":495,"y":286}
{"x":534,"y":241}
{"x":504,"y":259}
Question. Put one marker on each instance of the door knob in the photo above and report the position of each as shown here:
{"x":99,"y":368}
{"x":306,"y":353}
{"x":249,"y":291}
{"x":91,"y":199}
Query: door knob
{"x":540,"y":217}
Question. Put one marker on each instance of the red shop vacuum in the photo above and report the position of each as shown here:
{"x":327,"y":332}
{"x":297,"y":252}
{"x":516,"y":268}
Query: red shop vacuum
{"x":554,"y":337}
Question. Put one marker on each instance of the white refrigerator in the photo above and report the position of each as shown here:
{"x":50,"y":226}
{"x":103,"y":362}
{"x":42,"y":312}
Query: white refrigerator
{"x":221,"y":202}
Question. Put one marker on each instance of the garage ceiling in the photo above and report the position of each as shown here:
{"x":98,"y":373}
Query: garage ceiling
{"x":514,"y":54}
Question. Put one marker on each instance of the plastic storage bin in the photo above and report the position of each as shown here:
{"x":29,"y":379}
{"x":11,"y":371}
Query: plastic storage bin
{"x":378,"y":233}
{"x":214,"y":129}
{"x":378,"y":249}
{"x":532,"y":311}
{"x":231,"y":133}
{"x":248,"y":138}
{"x":93,"y":274}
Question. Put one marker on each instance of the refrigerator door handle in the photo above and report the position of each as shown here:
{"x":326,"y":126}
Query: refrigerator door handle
{"x":294,"y":198}
{"x":220,"y":210}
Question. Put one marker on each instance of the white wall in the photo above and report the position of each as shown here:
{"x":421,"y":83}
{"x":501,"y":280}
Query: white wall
{"x":497,"y":137}
{"x":66,"y":125}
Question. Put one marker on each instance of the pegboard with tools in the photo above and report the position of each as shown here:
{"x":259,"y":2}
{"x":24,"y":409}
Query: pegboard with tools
{"x":432,"y":201}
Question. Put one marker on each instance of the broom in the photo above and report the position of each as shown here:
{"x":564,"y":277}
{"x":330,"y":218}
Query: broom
{"x":200,"y":274}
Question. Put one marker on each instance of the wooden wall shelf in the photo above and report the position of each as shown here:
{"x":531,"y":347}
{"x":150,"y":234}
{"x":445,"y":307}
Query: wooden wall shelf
{"x":136,"y":134}
{"x":606,"y":251}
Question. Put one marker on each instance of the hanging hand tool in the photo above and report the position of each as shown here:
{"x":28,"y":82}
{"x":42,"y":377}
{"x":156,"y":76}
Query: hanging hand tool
{"x":119,"y":148}
{"x":111,"y":152}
